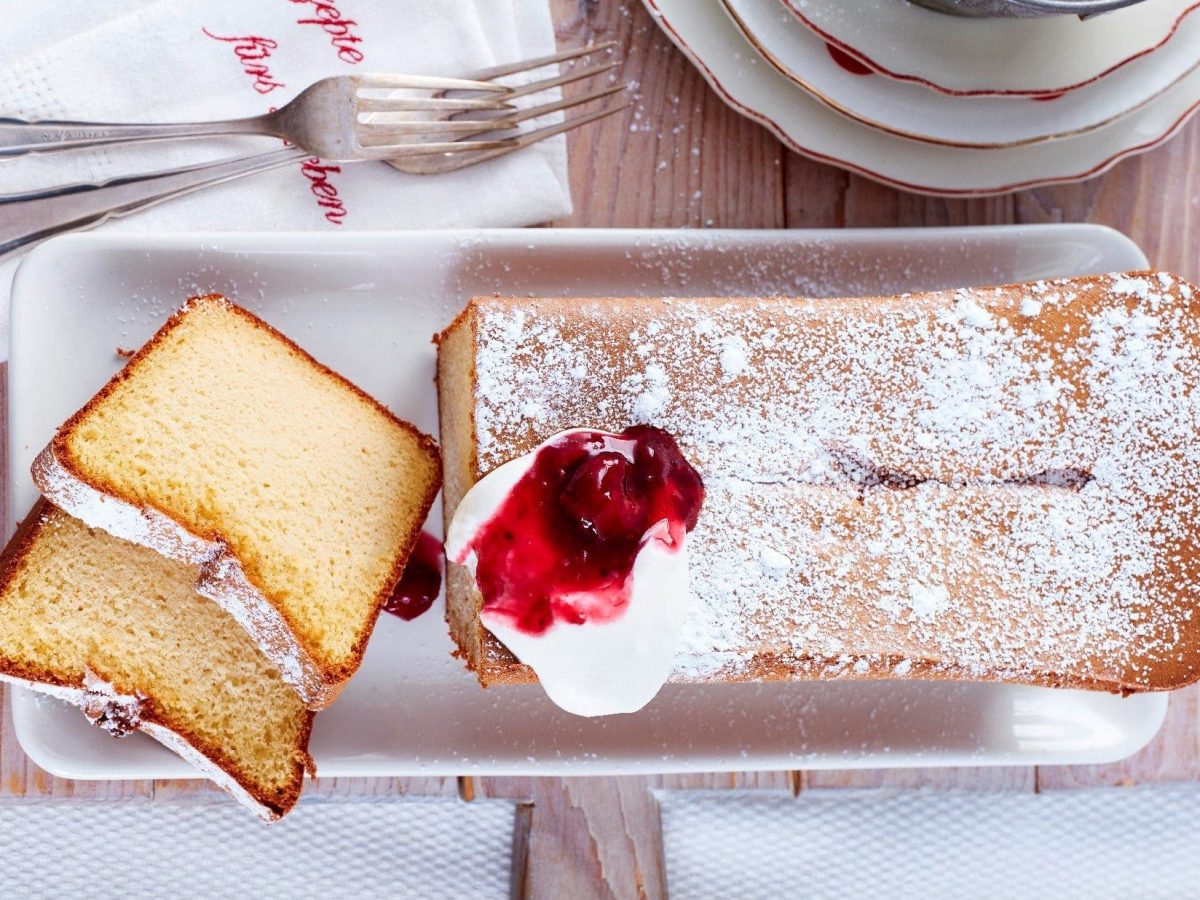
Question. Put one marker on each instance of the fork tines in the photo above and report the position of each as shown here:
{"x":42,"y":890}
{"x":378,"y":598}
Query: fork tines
{"x":427,"y":82}
{"x":478,"y":127}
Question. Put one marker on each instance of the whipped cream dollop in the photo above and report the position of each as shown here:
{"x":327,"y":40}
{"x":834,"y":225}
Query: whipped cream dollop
{"x":580,"y":551}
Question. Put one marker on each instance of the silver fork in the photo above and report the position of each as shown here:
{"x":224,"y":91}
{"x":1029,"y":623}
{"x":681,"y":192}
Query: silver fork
{"x":435,"y":164}
{"x":29,"y":218}
{"x":344,"y":118}
{"x":325,"y":119}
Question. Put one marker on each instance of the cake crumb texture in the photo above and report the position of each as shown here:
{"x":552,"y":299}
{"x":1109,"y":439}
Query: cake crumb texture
{"x":122,"y":630}
{"x":314,"y":489}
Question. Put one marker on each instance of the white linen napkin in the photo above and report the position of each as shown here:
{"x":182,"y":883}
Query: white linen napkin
{"x":172,"y":60}
{"x":837,"y":843}
{"x":427,"y":847}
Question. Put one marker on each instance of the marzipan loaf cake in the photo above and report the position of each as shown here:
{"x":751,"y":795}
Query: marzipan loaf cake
{"x":224,"y":445}
{"x":987,"y":484}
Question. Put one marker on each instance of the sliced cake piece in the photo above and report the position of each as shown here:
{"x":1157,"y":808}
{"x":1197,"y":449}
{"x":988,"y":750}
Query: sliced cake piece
{"x":223,"y":444}
{"x":991,"y":484}
{"x":120,"y":630}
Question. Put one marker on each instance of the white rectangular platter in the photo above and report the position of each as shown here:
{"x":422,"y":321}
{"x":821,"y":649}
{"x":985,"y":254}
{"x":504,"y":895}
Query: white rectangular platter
{"x":367,"y":305}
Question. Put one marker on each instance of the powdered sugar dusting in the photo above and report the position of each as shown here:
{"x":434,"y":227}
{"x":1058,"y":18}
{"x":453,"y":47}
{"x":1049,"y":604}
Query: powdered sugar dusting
{"x":928,"y":601}
{"x":145,"y":526}
{"x":733,"y":357}
{"x":221,"y":577}
{"x":982,"y":484}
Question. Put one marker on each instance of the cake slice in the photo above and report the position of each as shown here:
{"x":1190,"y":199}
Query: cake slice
{"x":988,"y":484}
{"x":223,"y":444}
{"x":119,"y":630}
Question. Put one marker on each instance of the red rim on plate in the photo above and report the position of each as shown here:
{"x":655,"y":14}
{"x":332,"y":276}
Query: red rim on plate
{"x":742,"y":20}
{"x":778,"y":131}
{"x":875,"y":67}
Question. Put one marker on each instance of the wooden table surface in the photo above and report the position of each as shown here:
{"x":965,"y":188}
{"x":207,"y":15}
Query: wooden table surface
{"x":680,"y":159}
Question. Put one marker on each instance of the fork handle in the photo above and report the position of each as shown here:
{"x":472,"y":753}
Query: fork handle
{"x":18,"y":136}
{"x":27,"y":219}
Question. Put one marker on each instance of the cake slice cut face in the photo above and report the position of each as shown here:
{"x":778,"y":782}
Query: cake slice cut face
{"x":222,"y":444}
{"x":119,"y":630}
{"x":989,"y":484}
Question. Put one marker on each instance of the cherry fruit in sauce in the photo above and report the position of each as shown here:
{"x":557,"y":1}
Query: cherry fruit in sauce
{"x":561,"y":546}
{"x":601,"y":499}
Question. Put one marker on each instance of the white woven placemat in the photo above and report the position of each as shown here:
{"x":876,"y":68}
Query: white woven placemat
{"x":426,"y":848}
{"x":1141,"y":842}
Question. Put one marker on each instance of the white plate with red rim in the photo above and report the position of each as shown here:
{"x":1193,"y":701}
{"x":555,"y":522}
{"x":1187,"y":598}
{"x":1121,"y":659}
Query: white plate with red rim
{"x":959,"y":55}
{"x":911,"y":110}
{"x":366,"y":304}
{"x":753,"y":87}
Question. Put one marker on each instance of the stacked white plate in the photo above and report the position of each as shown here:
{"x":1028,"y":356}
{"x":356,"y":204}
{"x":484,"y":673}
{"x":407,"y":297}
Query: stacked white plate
{"x":945,"y":105}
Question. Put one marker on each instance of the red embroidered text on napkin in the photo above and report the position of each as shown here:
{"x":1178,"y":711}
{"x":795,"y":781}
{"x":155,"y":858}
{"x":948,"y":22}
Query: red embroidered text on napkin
{"x":252,"y":52}
{"x":340,"y":29}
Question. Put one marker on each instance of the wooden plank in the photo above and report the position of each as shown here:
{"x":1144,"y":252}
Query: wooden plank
{"x":871,"y":205}
{"x":730,"y":781}
{"x":588,"y":837}
{"x":679,"y":157}
{"x":977,"y":778}
{"x":1152,"y":198}
{"x":1149,"y":197}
